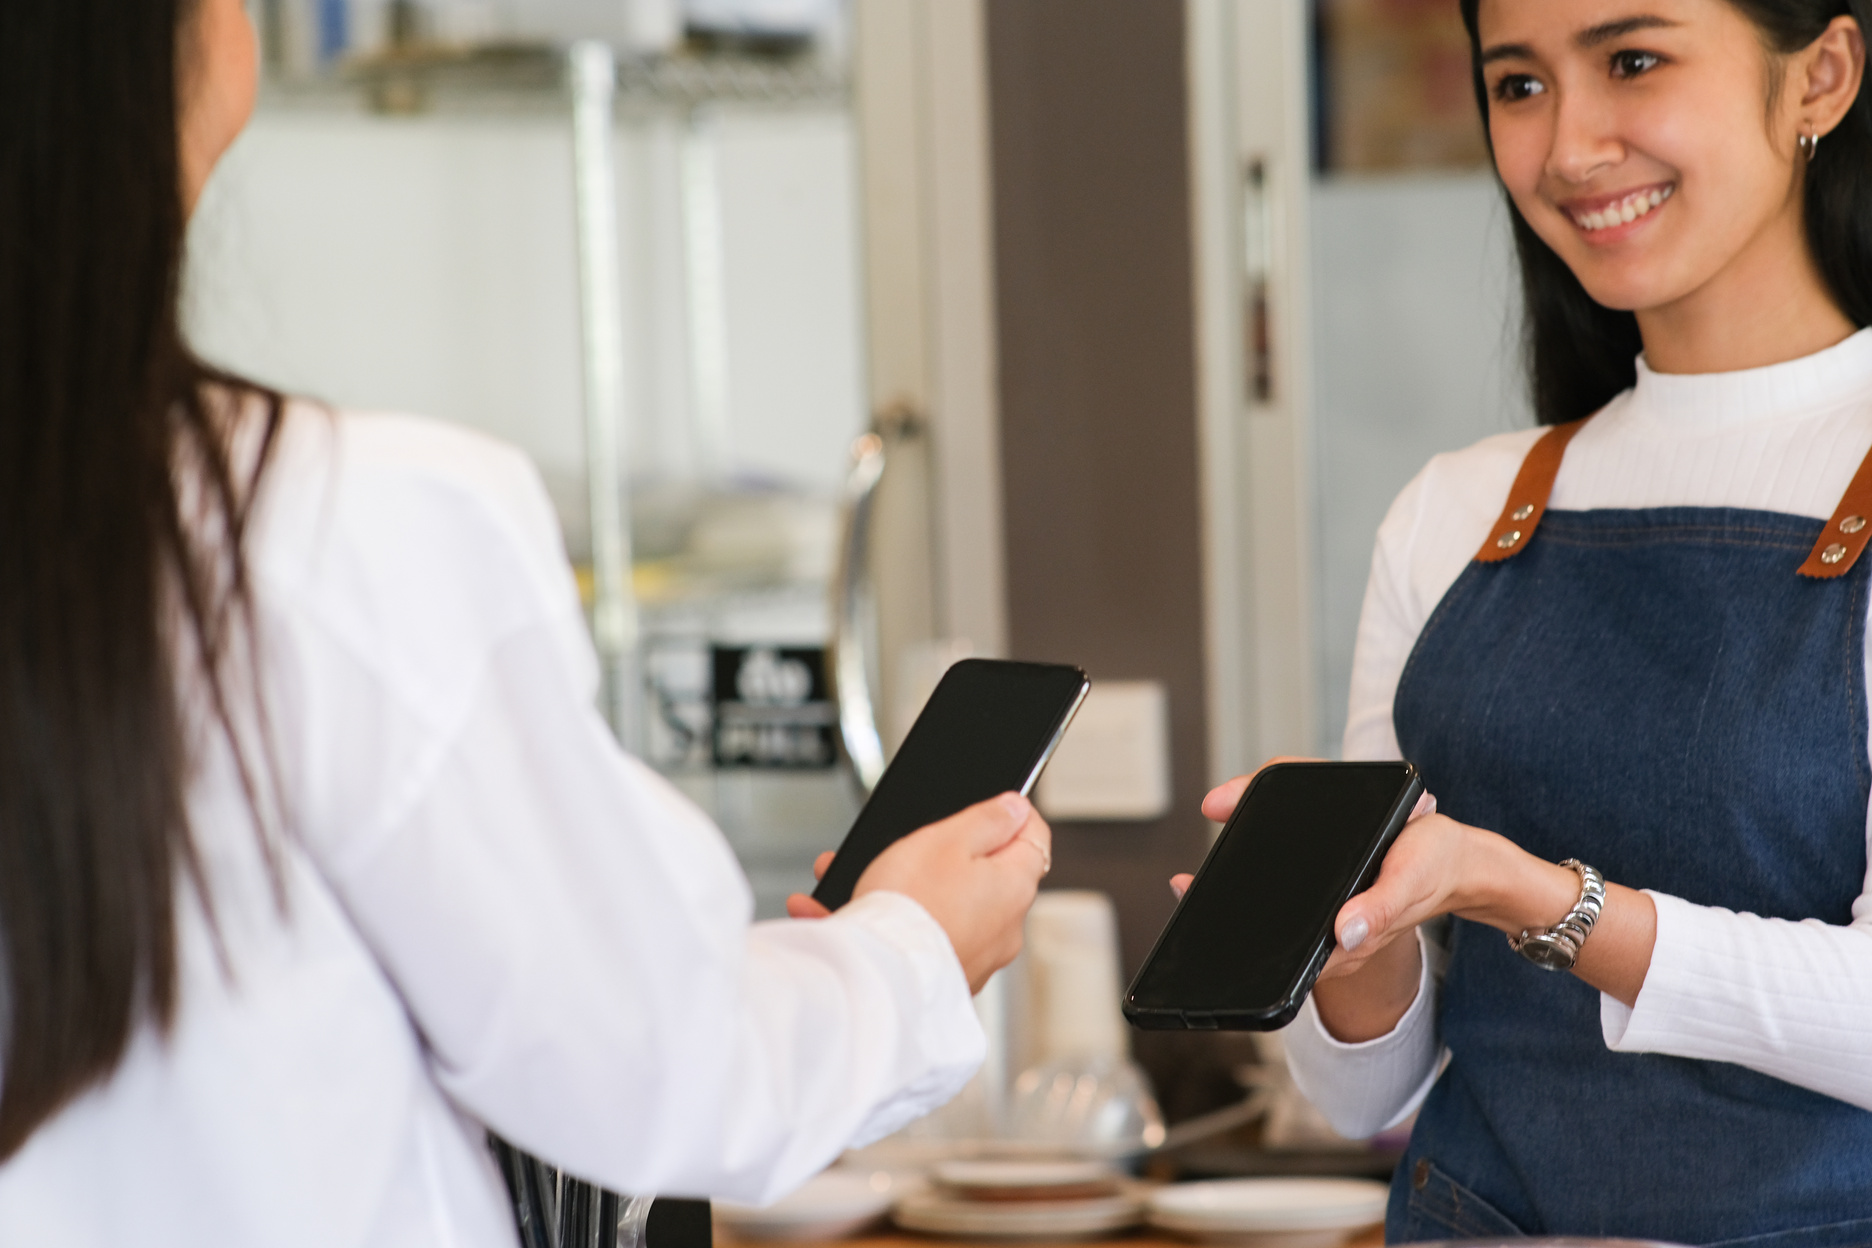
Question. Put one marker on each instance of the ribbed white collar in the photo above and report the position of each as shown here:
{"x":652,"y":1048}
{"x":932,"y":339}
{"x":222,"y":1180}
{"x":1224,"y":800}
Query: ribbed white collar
{"x":1814,"y":383}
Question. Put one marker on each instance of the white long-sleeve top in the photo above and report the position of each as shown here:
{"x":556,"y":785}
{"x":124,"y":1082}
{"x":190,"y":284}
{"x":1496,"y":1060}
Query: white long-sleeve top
{"x":492,"y":916}
{"x":1792,"y":1000}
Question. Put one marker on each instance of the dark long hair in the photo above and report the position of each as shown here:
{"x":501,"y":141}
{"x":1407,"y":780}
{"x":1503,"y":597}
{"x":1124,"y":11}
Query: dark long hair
{"x":109,"y":593}
{"x":1579,"y":352}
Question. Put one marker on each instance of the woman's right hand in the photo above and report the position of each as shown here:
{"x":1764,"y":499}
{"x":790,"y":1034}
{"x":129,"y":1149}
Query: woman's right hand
{"x":976,"y":873}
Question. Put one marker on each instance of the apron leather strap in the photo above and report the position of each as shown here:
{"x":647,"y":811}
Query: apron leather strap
{"x":1527,"y":501}
{"x":1834,"y":554}
{"x":1844,"y":538}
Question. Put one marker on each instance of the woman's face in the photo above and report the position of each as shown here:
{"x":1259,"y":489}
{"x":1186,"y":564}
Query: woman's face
{"x":1653,"y":144}
{"x":218,"y":75}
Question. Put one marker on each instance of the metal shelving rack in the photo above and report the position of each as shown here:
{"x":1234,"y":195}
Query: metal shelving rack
{"x":532,"y":77}
{"x":595,"y":88}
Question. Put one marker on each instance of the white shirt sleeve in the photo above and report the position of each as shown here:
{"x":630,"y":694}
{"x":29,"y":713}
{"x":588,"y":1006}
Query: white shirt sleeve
{"x":570,"y":935}
{"x":1364,"y":1088}
{"x":1791,"y":1000}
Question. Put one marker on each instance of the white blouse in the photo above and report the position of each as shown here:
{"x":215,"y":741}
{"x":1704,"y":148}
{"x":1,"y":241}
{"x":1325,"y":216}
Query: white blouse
{"x":1792,"y":1000}
{"x":490,"y":916}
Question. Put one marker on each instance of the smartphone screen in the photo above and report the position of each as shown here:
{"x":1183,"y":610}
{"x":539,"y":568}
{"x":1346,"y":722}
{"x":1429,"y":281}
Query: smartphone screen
{"x":988,"y":728}
{"x":1244,"y":945}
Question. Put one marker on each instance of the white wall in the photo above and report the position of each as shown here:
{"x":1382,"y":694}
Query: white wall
{"x":1416,"y":323}
{"x":426,"y":264}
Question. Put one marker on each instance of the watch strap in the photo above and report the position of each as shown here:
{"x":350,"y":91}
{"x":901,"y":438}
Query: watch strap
{"x":1558,"y":947}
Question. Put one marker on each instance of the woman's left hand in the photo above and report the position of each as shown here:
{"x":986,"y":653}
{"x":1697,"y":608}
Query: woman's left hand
{"x":1411,"y":887}
{"x":1439,"y":866}
{"x":1432,"y":869}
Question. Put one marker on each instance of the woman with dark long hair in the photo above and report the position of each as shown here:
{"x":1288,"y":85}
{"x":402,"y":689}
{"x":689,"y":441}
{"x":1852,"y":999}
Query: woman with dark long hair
{"x":316,"y":862}
{"x":1624,"y":974}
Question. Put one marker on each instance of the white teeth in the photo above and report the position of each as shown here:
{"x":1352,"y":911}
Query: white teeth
{"x":1626,"y":210}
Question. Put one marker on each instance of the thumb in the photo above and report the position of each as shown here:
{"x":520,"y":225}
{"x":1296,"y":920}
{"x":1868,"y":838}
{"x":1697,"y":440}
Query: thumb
{"x":990,"y":825}
{"x":1360,"y":919}
{"x":1220,"y":802}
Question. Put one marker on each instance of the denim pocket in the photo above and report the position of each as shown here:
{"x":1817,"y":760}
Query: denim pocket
{"x":1438,"y":1207}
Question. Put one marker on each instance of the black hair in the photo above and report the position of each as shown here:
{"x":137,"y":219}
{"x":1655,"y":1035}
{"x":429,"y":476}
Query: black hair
{"x":1580,"y":353}
{"x":113,"y":589}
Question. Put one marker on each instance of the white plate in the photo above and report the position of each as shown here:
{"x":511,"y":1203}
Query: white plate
{"x":831,"y":1205}
{"x":937,"y":1213}
{"x":1019,"y":1175}
{"x":1232,"y":1207}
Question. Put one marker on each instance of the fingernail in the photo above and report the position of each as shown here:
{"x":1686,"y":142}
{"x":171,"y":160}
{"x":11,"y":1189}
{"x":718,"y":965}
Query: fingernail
{"x":1017,"y":807}
{"x":1354,"y":934}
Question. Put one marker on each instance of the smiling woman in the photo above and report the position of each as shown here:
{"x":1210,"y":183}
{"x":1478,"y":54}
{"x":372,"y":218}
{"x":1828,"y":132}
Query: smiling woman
{"x":1629,"y":655}
{"x":1589,"y":123}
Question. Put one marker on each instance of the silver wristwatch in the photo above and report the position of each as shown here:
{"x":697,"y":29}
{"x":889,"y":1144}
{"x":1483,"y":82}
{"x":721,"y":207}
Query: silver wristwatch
{"x":1556,"y":948}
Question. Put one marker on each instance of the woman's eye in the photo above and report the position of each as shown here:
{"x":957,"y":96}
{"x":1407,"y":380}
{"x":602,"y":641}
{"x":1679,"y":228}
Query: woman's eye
{"x":1514,"y":87}
{"x":1631,"y":63}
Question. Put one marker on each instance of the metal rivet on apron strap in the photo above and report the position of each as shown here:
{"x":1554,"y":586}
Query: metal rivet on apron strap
{"x":1521,"y":517}
{"x":1420,"y":1176}
{"x":1844,"y":539}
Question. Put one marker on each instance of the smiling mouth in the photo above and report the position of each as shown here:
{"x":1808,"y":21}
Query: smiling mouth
{"x":1620,"y":211}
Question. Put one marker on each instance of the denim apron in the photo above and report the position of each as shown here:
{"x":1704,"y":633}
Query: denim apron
{"x":1657,"y":693}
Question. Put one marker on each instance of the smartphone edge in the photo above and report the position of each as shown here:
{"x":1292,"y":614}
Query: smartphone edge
{"x":1059,"y":732}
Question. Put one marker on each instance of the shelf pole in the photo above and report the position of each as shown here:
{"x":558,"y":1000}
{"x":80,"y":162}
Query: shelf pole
{"x":592,"y":74}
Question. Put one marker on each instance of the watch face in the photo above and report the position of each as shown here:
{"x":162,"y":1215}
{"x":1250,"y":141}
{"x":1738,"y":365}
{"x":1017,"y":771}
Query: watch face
{"x":1547,"y":953}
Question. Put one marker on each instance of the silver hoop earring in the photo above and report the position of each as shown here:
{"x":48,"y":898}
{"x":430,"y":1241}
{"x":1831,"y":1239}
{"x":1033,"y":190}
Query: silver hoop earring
{"x":1809,"y":146}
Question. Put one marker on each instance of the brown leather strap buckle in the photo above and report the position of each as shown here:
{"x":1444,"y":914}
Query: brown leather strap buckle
{"x":1844,"y":538}
{"x":1527,"y":501}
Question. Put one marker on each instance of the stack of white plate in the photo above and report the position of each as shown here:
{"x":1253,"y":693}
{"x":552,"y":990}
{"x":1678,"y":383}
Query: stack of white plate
{"x":830,"y":1206}
{"x":1270,"y":1213}
{"x":1022,"y":1200}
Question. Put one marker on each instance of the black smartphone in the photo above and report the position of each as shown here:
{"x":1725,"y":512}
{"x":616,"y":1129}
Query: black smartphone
{"x":989,"y":728}
{"x":1242,"y":949}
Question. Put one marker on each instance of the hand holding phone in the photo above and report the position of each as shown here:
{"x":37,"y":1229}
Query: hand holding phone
{"x":988,"y":729}
{"x":1255,"y":927}
{"x":949,"y":824}
{"x":975,"y":873}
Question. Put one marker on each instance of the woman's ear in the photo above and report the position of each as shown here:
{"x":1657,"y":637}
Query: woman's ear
{"x":1828,"y":73}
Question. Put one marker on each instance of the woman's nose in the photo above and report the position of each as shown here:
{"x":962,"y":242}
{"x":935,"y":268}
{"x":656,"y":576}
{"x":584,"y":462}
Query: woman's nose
{"x":1585,"y":138}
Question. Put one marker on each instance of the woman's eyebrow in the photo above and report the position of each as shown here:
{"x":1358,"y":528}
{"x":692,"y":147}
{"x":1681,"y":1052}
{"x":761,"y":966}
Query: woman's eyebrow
{"x":1591,"y":37}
